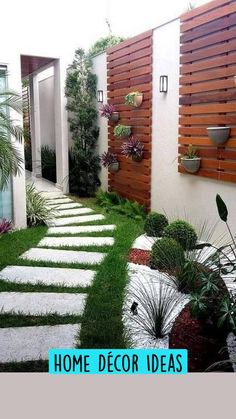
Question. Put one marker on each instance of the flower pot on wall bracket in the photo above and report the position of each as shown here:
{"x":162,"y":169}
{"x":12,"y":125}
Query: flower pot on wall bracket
{"x":138,"y":100}
{"x":218,"y":135}
{"x":134,"y":99}
{"x":191,"y":165}
{"x":114,"y":117}
{"x":137,"y":158}
{"x":113,"y":167}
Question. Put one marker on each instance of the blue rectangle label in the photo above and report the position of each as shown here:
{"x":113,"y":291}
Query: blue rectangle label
{"x":118,"y":361}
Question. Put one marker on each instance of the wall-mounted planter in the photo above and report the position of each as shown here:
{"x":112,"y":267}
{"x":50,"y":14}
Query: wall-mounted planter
{"x":191,"y":165}
{"x":113,"y":167}
{"x":218,"y":135}
{"x":137,"y":158}
{"x":134,"y":99}
{"x":122,"y":131}
{"x":114,"y":117}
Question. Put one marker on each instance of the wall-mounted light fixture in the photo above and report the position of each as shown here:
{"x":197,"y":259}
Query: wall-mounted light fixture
{"x":100,"y":96}
{"x":163,"y":84}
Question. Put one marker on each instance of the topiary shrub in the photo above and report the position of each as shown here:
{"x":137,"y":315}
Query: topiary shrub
{"x":155,"y":224}
{"x":166,"y":253}
{"x":183,"y":233}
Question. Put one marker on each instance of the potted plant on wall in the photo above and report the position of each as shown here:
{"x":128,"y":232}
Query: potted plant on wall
{"x":109,"y":160}
{"x":190,"y":160}
{"x":122,"y":131}
{"x":218,"y":135}
{"x":134,"y":99}
{"x":109,"y":112}
{"x":133,"y":148}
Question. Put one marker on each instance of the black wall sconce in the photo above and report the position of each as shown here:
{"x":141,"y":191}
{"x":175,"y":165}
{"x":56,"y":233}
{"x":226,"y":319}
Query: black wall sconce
{"x":100,"y":96}
{"x":163,"y":84}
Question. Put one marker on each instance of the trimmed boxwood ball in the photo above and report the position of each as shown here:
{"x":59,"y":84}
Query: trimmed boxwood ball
{"x":155,"y":224}
{"x":166,"y":253}
{"x":182,"y":232}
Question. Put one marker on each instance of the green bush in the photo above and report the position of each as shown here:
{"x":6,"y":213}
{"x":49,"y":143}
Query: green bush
{"x":166,"y":253}
{"x":155,"y":224}
{"x":183,"y":233}
{"x":111,"y":201}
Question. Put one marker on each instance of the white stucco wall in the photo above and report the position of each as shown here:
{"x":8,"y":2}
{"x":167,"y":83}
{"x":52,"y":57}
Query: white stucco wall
{"x":46,"y":110}
{"x":100,"y":69}
{"x":178,"y":194}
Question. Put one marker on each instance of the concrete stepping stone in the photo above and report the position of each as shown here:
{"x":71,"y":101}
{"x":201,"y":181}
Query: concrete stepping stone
{"x":48,"y":276}
{"x":63,"y":256}
{"x":19,"y":344}
{"x":42,"y":303}
{"x":76,"y":241}
{"x":75,"y":211}
{"x":80,"y":229}
{"x":59,"y":201}
{"x":66,"y":206}
{"x":75,"y":220}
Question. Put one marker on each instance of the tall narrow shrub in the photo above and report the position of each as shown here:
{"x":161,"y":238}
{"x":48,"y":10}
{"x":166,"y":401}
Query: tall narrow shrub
{"x":80,"y":90}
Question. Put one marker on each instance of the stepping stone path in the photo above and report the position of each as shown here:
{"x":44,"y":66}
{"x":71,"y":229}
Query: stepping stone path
{"x":18,"y":344}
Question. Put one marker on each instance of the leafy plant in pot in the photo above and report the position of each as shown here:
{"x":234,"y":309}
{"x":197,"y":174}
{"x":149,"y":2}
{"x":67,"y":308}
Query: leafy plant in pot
{"x":109,"y":160}
{"x":109,"y":112}
{"x":134,"y":99}
{"x":133,"y":148}
{"x":190,"y":160}
{"x":122,"y":131}
{"x":218,"y":135}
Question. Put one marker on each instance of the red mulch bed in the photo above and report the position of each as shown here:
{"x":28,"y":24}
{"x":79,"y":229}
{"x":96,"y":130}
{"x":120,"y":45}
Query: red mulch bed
{"x":141,"y":257}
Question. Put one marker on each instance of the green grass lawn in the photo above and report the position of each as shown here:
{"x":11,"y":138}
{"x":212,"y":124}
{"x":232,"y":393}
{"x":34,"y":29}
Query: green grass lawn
{"x":102,"y":320}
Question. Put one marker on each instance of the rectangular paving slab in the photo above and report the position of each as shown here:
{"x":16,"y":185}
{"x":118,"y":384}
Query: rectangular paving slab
{"x":59,"y":201}
{"x":19,"y":344}
{"x":75,"y":220}
{"x":63,"y":256}
{"x":48,"y":276}
{"x":42,"y":303}
{"x":70,"y":211}
{"x":66,"y":206}
{"x":80,"y":229}
{"x":76,"y":241}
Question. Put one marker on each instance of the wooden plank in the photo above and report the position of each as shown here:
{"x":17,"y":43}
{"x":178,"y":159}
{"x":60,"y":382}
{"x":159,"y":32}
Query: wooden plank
{"x":209,"y":63}
{"x":208,"y":17}
{"x":128,"y":58}
{"x":130,"y":73}
{"x":139,"y":87}
{"x":142,"y":62}
{"x":143,"y":43}
{"x":146,"y":78}
{"x":208,"y":40}
{"x":201,"y":131}
{"x":205,"y":109}
{"x":208,"y":86}
{"x":209,"y":52}
{"x":208,"y":75}
{"x":203,"y":141}
{"x":130,"y":41}
{"x":208,"y":120}
{"x":224,"y":95}
{"x":190,"y":14}
{"x":209,"y":28}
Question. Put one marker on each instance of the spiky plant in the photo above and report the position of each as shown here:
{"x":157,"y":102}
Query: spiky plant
{"x":108,"y":158}
{"x":10,"y":155}
{"x":37,"y":209}
{"x":107,"y":110}
{"x":5,"y":226}
{"x":132,"y":147}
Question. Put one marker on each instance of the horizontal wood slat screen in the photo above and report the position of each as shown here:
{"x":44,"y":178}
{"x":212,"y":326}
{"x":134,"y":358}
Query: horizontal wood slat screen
{"x":129,"y":68}
{"x":207,"y":88}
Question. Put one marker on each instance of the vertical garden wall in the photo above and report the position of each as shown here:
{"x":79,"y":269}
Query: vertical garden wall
{"x":129,"y":69}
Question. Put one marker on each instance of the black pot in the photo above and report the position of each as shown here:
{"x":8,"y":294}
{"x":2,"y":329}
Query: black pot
{"x":113,"y":167}
{"x":137,"y":158}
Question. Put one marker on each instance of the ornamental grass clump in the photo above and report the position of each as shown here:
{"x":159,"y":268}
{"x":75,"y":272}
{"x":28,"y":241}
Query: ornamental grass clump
{"x":167,"y":254}
{"x":155,"y":224}
{"x":5,"y":226}
{"x":133,"y":148}
{"x":37,"y":209}
{"x":107,"y":110}
{"x":183,"y":233}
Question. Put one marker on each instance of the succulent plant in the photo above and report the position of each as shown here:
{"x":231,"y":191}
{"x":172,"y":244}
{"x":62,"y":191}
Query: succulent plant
{"x":108,"y":158}
{"x":122,"y":130}
{"x":132,"y":147}
{"x":191,"y":152}
{"x":107,"y":110}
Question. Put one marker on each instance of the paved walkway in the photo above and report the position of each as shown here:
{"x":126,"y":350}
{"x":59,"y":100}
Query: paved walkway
{"x":19,"y":344}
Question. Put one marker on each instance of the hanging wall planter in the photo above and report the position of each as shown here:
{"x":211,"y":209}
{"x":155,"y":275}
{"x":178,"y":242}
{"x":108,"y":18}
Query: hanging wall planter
{"x":109,"y":160}
{"x":133,"y":148}
{"x":190,"y":160}
{"x":134,"y":99}
{"x":109,"y":112}
{"x":122,"y":131}
{"x":218,"y":135}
